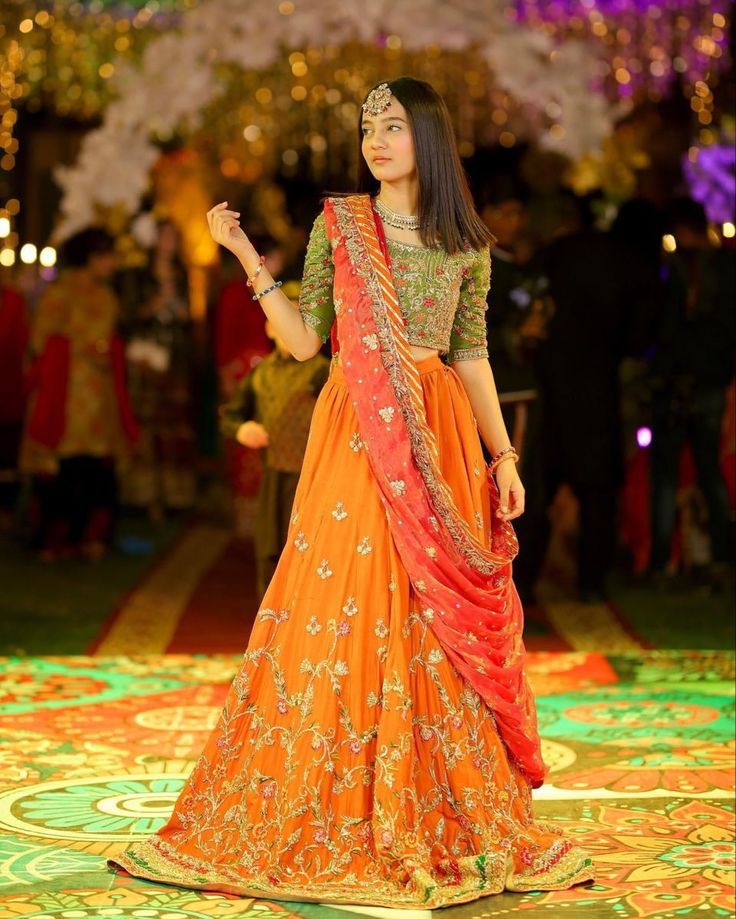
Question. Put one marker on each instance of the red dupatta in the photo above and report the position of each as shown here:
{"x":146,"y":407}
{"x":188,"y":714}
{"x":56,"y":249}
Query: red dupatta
{"x":464,"y":585}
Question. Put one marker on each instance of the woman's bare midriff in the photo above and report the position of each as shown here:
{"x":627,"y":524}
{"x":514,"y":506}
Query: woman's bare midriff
{"x":420,"y":354}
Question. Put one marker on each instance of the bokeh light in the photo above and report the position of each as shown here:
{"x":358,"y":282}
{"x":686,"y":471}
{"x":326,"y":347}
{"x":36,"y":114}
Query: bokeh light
{"x":644,"y":437}
{"x":28,"y":254}
{"x":47,"y":258}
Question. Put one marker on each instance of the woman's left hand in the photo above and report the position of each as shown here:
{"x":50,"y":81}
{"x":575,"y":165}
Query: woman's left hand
{"x":511,"y":491}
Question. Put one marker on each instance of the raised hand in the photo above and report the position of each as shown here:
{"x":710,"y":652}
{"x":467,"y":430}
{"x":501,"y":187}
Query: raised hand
{"x":226,"y":231}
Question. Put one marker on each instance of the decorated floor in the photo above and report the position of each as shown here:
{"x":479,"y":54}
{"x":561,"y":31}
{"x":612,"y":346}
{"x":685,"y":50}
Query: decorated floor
{"x":93,"y":751}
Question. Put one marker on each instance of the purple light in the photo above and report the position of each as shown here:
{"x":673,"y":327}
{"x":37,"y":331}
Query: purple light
{"x":644,"y":437}
{"x":658,"y":43}
{"x":712,"y":180}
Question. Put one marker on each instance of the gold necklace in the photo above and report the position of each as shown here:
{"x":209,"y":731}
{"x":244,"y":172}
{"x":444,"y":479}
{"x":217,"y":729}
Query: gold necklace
{"x":399,"y":221}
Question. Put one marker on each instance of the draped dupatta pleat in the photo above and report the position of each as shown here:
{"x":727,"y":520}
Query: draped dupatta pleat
{"x":464,"y":585}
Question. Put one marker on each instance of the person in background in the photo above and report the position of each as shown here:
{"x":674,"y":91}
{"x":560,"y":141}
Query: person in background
{"x":13,"y":346}
{"x":691,"y":369}
{"x":161,"y":475}
{"x":79,"y":422}
{"x":515,"y":324}
{"x":578,"y":371}
{"x":271,"y":410}
{"x":638,"y":228}
{"x":240,"y":343}
{"x":240,"y":339}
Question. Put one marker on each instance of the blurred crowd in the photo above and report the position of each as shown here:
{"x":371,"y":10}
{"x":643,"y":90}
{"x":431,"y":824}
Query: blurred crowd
{"x":613,"y":358}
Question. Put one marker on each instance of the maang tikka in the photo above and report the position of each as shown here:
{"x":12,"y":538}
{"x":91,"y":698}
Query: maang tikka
{"x":379,"y":99}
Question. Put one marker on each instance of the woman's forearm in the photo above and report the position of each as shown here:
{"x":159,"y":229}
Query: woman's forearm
{"x":301,"y":340}
{"x":477,"y":379}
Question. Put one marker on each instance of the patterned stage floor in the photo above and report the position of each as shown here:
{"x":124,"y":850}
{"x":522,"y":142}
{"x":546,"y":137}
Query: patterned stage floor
{"x":94,"y":750}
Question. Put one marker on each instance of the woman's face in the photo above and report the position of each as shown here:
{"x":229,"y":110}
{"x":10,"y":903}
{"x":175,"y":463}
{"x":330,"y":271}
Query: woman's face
{"x":388,"y":145}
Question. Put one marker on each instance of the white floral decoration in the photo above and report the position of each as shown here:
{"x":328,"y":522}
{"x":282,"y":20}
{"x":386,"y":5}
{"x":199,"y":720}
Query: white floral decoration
{"x":177,"y":79}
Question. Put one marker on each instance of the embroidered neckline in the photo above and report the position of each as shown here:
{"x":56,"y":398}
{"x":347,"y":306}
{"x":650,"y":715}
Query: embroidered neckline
{"x":401,"y":243}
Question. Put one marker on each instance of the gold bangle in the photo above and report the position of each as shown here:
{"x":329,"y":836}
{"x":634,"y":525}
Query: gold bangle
{"x":502,"y":459}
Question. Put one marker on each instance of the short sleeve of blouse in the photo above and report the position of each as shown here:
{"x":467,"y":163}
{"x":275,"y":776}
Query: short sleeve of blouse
{"x":468,"y":337}
{"x":316,"y":298}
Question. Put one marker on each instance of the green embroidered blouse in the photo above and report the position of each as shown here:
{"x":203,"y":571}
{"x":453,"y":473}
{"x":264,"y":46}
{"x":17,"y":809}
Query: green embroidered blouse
{"x":442,"y":297}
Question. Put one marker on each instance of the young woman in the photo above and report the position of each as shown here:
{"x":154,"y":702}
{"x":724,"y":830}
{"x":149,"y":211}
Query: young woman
{"x":379,"y":743}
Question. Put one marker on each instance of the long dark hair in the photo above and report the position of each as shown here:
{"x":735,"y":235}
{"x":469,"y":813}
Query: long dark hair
{"x":446,"y":211}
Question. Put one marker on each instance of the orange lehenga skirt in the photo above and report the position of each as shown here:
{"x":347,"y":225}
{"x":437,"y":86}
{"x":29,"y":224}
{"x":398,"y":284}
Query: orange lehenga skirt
{"x":352,"y":763}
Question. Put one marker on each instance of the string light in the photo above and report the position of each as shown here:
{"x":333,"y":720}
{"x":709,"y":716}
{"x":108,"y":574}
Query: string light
{"x":66,"y":56}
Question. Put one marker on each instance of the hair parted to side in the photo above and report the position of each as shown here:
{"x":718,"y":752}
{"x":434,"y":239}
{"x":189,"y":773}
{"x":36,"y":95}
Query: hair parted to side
{"x":446,"y":211}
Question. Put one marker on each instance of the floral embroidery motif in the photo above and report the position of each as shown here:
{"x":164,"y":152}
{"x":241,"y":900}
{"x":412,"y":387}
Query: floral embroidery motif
{"x":313,"y":626}
{"x":381,"y":629}
{"x":478,"y":519}
{"x":364,"y":546}
{"x":300,"y":542}
{"x":370,"y":341}
{"x":295,"y":518}
{"x":267,"y":614}
{"x":339,"y":512}
{"x":324,"y":570}
{"x":350,"y":608}
{"x":431,"y":551}
{"x":398,"y":486}
{"x":356,"y":443}
{"x":387,"y":413}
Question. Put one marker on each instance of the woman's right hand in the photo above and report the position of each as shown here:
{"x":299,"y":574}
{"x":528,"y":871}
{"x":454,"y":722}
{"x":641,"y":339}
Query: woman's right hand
{"x":226,"y":231}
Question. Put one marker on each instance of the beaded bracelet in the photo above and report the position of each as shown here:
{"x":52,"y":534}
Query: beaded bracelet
{"x":267,"y":290}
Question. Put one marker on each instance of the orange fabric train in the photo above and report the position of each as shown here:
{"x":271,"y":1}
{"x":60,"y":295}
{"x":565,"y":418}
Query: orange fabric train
{"x":352,"y":763}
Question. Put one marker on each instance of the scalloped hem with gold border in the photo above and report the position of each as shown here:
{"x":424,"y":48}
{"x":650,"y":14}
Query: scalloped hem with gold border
{"x":475,"y":877}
